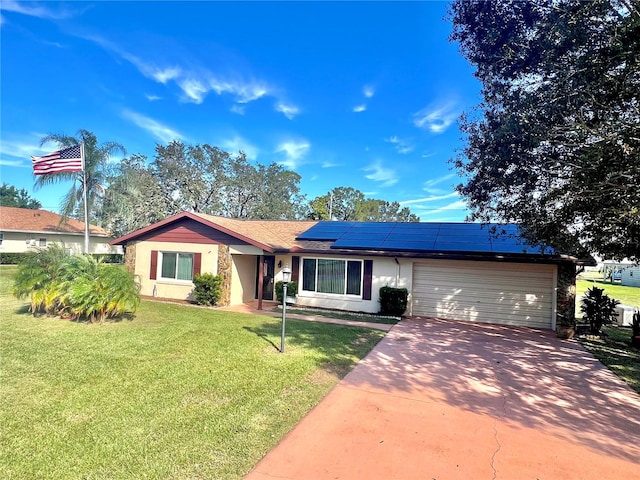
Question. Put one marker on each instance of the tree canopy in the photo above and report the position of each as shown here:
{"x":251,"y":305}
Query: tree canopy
{"x":555,"y":143}
{"x":349,"y":204}
{"x":10,"y":196}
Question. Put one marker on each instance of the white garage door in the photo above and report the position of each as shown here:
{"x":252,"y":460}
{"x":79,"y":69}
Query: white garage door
{"x":491,"y":292}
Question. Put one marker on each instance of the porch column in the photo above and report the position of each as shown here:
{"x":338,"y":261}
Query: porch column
{"x":260,"y":280}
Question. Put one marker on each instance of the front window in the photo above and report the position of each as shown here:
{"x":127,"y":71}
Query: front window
{"x":1,"y":238}
{"x":42,"y":242}
{"x":325,"y":275}
{"x":177,"y":266}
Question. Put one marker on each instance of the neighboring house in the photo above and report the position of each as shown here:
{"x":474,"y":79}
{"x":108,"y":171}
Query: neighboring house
{"x":627,"y":273}
{"x":451,"y":270}
{"x":23,"y":229}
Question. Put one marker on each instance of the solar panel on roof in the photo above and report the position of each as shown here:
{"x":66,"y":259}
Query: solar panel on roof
{"x":422,"y":237}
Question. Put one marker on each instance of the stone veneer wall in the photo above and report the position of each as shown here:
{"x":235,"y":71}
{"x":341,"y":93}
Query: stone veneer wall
{"x":566,"y":294}
{"x":225,"y":271}
{"x":130,"y":257}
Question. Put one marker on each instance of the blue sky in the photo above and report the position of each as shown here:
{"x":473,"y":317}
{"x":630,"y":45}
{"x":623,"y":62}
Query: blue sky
{"x":357,"y":94}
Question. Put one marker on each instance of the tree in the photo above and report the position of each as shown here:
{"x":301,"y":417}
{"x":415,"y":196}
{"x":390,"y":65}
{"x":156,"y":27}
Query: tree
{"x":134,"y":197}
{"x":350,"y":204}
{"x":555,"y":143}
{"x":10,"y":196}
{"x":205,"y":179}
{"x":95,"y":164}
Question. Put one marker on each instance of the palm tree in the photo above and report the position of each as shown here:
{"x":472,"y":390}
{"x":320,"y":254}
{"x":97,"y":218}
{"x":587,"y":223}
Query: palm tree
{"x":95,"y":162}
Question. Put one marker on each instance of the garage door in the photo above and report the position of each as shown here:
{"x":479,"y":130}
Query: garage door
{"x":504,"y":293}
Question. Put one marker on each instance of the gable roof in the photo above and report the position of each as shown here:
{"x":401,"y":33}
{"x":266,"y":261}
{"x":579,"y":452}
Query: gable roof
{"x":13,"y":219}
{"x":269,"y":235}
{"x":425,"y":240}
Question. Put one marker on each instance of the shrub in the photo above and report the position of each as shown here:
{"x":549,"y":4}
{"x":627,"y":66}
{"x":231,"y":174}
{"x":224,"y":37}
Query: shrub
{"x":393,"y":301}
{"x":598,"y":309}
{"x":75,"y":287}
{"x":208,"y":289}
{"x":14,"y":258}
{"x":292,"y":290}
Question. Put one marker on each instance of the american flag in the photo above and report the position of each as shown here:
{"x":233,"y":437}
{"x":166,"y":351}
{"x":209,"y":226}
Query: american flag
{"x":66,"y":160}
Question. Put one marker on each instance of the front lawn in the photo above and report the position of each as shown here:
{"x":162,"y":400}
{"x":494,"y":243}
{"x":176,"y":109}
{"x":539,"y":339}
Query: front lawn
{"x":614,"y":351}
{"x":626,"y":295}
{"x":179,"y":392}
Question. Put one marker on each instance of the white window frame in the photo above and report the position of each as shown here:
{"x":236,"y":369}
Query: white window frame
{"x":346,"y":272}
{"x":177,"y":254}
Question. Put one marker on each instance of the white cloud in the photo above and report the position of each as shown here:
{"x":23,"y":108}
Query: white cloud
{"x":433,"y":198}
{"x":156,"y":129}
{"x":380,"y":174}
{"x":289,"y":111}
{"x":436,"y":118}
{"x":330,"y":164}
{"x":457,"y":205}
{"x":430,"y":185}
{"x":34,"y":10}
{"x":402,"y":146}
{"x":237,"y":143}
{"x":294,"y":152}
{"x":239,"y":109}
{"x":195,"y":83}
{"x":153,"y":98}
{"x":360,"y":108}
{"x":368,"y":91}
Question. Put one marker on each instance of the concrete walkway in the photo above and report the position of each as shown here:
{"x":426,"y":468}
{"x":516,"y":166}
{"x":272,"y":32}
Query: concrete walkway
{"x":267,"y":309}
{"x":449,"y":400}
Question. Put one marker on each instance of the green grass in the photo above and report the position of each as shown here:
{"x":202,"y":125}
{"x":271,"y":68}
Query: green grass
{"x":626,"y":295}
{"x":179,"y":392}
{"x":341,"y":315}
{"x":614,"y":351}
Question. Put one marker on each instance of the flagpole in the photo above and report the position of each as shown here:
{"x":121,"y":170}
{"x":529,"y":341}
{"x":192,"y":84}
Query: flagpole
{"x":86,"y":206}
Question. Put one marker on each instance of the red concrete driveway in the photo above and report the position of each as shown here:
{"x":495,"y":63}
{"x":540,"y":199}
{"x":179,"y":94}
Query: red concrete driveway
{"x":448,"y":400}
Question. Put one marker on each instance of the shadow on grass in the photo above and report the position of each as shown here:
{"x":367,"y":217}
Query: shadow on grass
{"x":338,"y":347}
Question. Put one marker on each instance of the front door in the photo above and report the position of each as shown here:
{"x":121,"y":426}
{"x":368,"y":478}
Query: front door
{"x":269,"y":269}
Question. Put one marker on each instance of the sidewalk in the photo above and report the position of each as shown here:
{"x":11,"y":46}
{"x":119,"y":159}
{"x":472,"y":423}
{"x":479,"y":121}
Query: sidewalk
{"x":267,"y":310}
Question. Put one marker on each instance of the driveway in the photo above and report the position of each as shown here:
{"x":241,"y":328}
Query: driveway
{"x":447,"y":400}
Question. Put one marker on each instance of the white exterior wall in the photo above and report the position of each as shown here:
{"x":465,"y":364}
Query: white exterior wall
{"x":630,"y":276}
{"x":177,"y":289}
{"x":385,"y":273}
{"x":20,"y":242}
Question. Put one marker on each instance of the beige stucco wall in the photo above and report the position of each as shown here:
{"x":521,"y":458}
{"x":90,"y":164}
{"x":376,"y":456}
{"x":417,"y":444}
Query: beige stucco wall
{"x":243,"y":280}
{"x":19,"y":242}
{"x":177,"y":289}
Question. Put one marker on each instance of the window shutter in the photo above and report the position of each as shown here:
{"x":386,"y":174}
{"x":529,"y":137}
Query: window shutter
{"x":153,"y":271}
{"x":197,"y":263}
{"x":295,"y":268}
{"x":368,"y":279}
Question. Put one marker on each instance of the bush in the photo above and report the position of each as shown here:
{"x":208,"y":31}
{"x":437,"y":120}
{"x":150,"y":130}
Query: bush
{"x":598,"y":309}
{"x":393,"y":301}
{"x":14,"y":258}
{"x":75,"y":287}
{"x":208,"y":289}
{"x":292,"y":290}
{"x":109,"y":257}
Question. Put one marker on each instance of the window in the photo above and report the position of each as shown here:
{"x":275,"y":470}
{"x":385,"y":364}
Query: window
{"x":1,"y":238}
{"x":325,"y":275}
{"x":177,"y":266}
{"x":42,"y":242}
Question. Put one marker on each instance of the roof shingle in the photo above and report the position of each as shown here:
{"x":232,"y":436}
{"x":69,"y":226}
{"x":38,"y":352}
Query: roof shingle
{"x":27,"y":220}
